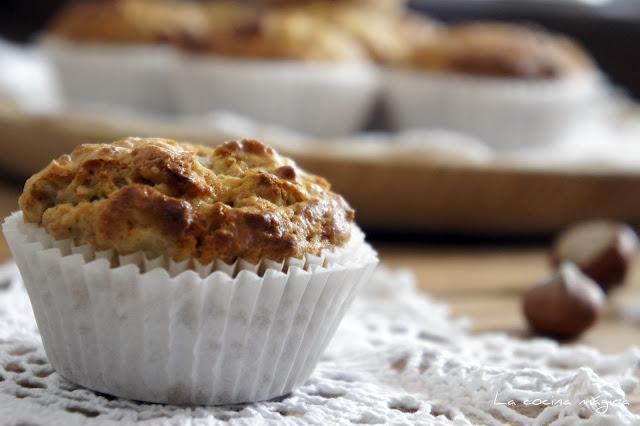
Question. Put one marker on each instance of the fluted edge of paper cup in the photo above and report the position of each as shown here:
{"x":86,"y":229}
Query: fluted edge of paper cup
{"x":322,"y":99}
{"x":500,"y":111}
{"x":135,"y":76}
{"x":189,"y":334}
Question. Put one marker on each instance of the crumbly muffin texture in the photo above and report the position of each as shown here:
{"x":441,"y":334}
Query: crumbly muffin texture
{"x":499,"y":50}
{"x":238,"y":200}
{"x":130,"y":21}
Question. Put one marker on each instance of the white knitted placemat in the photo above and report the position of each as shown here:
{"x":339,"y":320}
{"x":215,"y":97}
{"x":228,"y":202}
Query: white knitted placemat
{"x":398,"y":358}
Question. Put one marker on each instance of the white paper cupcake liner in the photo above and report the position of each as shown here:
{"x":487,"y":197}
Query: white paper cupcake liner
{"x":135,"y":77}
{"x":322,"y":99}
{"x":184,"y":333}
{"x":501,"y":112}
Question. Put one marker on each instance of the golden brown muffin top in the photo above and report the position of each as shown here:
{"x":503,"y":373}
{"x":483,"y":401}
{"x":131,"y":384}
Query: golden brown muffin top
{"x":238,"y":200}
{"x":381,"y":4}
{"x":130,"y":21}
{"x":500,"y":50}
{"x":242,"y":30}
{"x":387,"y":35}
{"x":315,"y":30}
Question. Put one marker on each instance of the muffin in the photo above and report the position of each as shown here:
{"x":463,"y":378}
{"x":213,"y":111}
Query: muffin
{"x":280,"y":64}
{"x":506,"y":84}
{"x":501,"y":51}
{"x":388,"y":5}
{"x":386,"y":33}
{"x":168,"y":272}
{"x":117,"y":52}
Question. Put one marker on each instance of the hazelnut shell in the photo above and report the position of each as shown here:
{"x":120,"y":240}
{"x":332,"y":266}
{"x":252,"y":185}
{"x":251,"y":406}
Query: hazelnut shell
{"x":602,"y":249}
{"x":564,"y":306}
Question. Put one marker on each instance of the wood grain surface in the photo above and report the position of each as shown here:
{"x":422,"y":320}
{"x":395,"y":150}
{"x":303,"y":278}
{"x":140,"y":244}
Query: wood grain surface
{"x":406,"y":195}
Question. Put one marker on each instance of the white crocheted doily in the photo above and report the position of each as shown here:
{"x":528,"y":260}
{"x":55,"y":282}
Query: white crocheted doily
{"x":398,"y":358}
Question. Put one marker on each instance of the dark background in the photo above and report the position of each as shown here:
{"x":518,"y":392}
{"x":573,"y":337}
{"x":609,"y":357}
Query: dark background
{"x":610,"y":32}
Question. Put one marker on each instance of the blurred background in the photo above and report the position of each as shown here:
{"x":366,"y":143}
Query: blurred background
{"x":609,"y":29}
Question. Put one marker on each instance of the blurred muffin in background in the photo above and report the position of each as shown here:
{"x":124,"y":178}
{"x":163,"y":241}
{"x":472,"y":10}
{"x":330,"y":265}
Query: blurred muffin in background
{"x":502,"y":51}
{"x":506,"y":84}
{"x":286,"y":63}
{"x":129,"y":21}
{"x":243,"y":31}
{"x":389,"y":5}
{"x":386,"y":31}
{"x":116,"y":52}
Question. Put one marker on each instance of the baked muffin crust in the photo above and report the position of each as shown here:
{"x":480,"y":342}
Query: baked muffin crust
{"x":312,"y":30}
{"x":500,"y":50}
{"x":238,"y":200}
{"x":387,"y":34}
{"x":240,"y":30}
{"x":388,"y":5}
{"x":130,"y":21}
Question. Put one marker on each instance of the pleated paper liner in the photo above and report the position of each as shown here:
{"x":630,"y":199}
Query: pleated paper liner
{"x":322,"y":99}
{"x":184,"y":333}
{"x":502,"y":112}
{"x":134,"y":77}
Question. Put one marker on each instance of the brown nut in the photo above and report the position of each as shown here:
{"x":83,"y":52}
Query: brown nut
{"x":564,"y":306}
{"x":602,"y":249}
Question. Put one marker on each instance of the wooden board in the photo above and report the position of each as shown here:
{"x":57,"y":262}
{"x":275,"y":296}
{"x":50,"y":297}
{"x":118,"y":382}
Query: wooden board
{"x":390,"y":190}
{"x":432,"y":197}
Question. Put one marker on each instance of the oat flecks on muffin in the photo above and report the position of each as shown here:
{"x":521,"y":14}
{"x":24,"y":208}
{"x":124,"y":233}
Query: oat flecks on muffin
{"x":500,"y":50}
{"x":238,"y":200}
{"x":130,"y":21}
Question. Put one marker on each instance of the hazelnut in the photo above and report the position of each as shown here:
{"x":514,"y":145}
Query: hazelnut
{"x":602,"y":249}
{"x":565,"y":305}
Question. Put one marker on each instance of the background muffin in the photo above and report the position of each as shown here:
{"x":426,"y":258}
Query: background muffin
{"x":284,"y":64}
{"x":501,"y":51}
{"x":287,"y":32}
{"x":257,"y":262}
{"x":315,"y":30}
{"x":129,"y":21}
{"x":115,"y":52}
{"x":386,"y":33}
{"x":389,"y":5}
{"x":508,"y":85}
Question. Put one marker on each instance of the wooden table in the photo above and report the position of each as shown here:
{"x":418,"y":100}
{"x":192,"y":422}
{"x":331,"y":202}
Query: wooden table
{"x":485,"y":284}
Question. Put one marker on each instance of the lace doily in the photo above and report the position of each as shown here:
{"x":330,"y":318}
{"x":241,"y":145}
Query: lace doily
{"x":398,"y":358}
